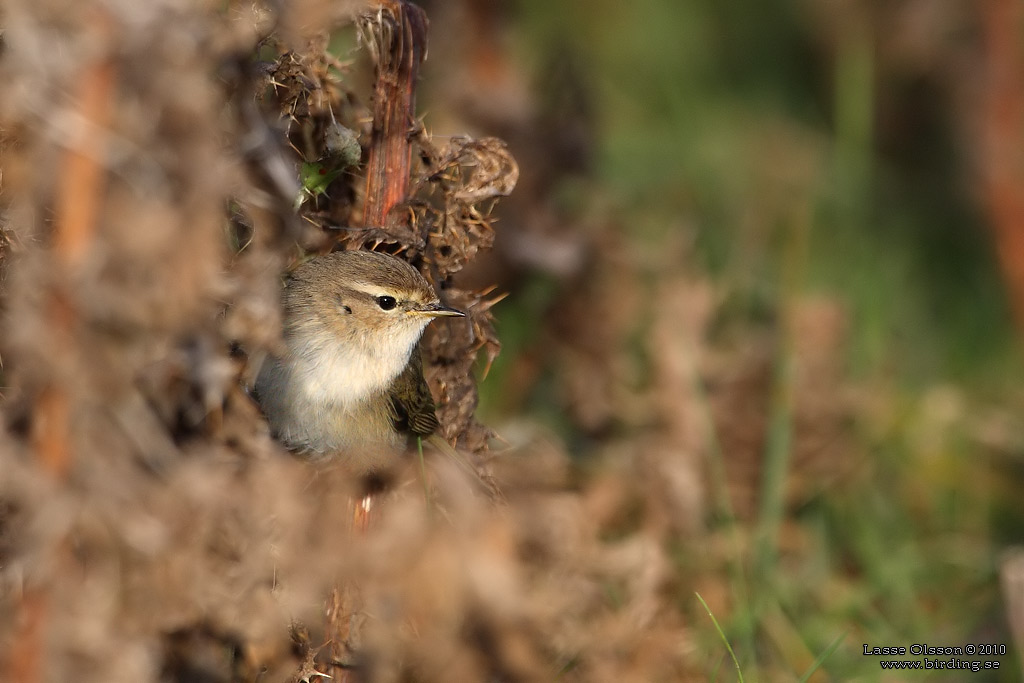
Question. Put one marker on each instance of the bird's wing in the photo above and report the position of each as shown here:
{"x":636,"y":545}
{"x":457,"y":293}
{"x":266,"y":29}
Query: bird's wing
{"x":412,"y":406}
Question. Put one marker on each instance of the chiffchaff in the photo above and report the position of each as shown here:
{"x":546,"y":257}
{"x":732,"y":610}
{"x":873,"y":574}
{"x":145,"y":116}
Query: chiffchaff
{"x":350,"y":384}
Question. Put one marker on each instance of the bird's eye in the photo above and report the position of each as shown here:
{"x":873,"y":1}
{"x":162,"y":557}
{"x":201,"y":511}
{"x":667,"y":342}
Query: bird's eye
{"x":386,"y":302}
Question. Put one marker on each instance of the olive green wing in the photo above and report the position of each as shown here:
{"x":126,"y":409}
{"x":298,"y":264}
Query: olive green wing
{"x":412,"y":406}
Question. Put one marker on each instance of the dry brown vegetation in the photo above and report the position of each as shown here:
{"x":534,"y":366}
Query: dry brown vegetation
{"x":164,"y":162}
{"x":150,"y":529}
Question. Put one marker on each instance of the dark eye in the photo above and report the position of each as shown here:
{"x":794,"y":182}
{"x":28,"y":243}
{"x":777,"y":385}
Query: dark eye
{"x":386,"y":302}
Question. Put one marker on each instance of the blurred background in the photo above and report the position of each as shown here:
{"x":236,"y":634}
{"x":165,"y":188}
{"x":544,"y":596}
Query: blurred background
{"x":777,"y":244}
{"x":758,"y":402}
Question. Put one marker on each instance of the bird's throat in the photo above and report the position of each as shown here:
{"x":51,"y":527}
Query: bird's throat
{"x":350,"y":372}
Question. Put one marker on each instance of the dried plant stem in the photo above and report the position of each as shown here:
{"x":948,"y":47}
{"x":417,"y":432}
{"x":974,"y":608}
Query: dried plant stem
{"x":400,"y":44}
{"x":83,"y":174}
{"x":51,"y":423}
{"x":397,"y":40}
{"x":27,"y":654}
{"x":361,"y":514}
{"x":79,"y":197}
{"x":1003,"y":165}
{"x":342,"y":613}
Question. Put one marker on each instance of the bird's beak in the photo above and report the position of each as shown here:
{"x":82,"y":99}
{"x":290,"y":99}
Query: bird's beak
{"x":439,"y":311}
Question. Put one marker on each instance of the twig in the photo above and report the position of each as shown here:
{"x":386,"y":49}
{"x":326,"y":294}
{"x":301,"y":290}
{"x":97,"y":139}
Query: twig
{"x":79,"y":197}
{"x":398,"y":42}
{"x":396,"y":38}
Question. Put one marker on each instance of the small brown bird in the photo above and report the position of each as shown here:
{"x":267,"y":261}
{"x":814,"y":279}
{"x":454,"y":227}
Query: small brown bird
{"x":351,"y":382}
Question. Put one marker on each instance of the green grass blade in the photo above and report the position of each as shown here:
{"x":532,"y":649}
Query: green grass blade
{"x":739,"y":672}
{"x":822,"y":657}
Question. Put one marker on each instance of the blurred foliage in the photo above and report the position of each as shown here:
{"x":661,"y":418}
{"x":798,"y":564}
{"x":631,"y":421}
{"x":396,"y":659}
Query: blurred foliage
{"x":802,"y":151}
{"x":709,"y":110}
{"x":756,"y":348}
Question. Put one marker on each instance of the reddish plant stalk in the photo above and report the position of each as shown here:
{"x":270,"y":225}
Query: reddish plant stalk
{"x":401,"y":45}
{"x":1003,"y":143}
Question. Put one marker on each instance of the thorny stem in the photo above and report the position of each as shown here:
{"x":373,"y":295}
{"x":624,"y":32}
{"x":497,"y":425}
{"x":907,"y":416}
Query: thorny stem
{"x":397,"y":40}
{"x":399,"y":45}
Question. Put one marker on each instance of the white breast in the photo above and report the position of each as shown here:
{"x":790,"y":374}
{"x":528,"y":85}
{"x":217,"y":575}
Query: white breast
{"x":347,"y":375}
{"x":327,"y":395}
